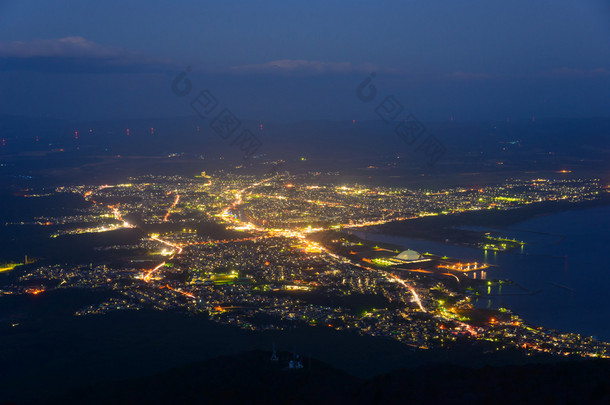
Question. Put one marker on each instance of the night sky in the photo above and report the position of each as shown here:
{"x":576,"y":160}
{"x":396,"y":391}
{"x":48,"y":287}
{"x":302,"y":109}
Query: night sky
{"x":302,"y":60}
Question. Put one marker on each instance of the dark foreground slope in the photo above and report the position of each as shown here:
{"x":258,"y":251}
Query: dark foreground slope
{"x":252,"y":378}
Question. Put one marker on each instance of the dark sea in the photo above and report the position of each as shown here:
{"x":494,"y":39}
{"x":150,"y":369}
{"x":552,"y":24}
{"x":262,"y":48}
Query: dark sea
{"x":566,"y":259}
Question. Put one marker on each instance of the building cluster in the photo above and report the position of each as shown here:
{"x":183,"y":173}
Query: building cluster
{"x":236,"y":247}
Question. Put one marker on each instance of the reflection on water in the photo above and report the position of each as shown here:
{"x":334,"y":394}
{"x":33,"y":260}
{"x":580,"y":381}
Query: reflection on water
{"x":564,"y":258}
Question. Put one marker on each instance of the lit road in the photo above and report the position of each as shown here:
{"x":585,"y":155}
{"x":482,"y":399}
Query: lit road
{"x":149,"y":274}
{"x":172,"y":245}
{"x":169,"y":210}
{"x":310,"y":246}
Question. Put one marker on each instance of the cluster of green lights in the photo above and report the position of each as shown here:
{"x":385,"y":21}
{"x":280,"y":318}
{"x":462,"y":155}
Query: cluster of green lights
{"x":382,"y":262}
{"x":509,"y":199}
{"x":500,"y":239}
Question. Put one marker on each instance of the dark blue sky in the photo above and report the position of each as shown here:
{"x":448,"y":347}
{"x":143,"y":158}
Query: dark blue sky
{"x":292,"y":60}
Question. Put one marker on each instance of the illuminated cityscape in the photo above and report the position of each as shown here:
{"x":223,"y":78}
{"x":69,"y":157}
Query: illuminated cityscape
{"x":283,"y":202}
{"x":277,"y":252}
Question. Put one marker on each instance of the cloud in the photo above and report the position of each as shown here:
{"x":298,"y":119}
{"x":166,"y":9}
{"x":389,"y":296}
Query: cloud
{"x":72,"y":55}
{"x":69,"y":47}
{"x":301,"y":66}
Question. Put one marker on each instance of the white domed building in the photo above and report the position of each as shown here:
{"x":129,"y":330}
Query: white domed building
{"x":408,"y":256}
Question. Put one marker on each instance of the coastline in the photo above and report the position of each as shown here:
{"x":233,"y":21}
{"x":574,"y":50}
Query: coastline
{"x":565,"y":272}
{"x":448,"y":229}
